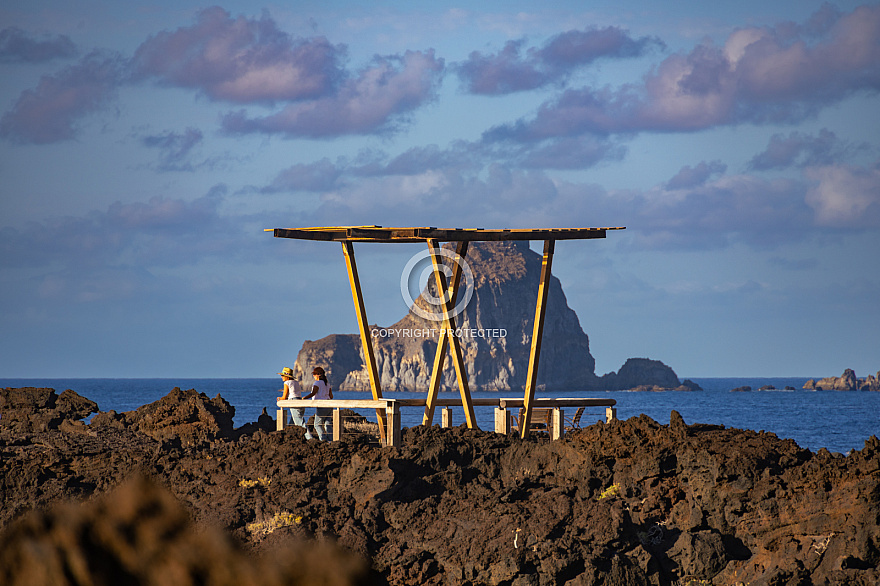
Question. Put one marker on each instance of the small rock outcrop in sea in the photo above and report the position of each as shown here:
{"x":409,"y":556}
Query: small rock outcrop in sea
{"x":496,"y":335}
{"x":848,"y":381}
{"x":644,"y":374}
{"x":629,"y":502}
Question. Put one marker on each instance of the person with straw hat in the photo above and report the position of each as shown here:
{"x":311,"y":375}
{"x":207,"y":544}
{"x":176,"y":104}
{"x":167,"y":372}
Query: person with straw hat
{"x":292,"y":390}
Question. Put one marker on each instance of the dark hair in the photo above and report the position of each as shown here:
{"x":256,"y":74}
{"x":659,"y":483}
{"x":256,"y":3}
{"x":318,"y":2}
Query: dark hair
{"x":321,"y":375}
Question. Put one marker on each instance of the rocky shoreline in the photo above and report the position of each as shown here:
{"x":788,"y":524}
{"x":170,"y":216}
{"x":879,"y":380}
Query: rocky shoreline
{"x":171,"y":493}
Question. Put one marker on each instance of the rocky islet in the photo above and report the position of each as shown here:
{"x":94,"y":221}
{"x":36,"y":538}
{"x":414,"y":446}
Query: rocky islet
{"x":495,"y":330}
{"x":848,"y":381}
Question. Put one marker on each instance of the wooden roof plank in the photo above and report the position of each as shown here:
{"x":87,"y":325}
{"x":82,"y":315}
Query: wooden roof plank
{"x":422,"y":234}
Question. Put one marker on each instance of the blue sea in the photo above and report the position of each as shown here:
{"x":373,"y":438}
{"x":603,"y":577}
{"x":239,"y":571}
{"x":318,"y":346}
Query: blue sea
{"x":838,"y":421}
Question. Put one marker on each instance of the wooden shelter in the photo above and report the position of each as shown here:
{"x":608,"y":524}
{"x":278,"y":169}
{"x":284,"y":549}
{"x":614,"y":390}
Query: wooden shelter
{"x":434,"y":237}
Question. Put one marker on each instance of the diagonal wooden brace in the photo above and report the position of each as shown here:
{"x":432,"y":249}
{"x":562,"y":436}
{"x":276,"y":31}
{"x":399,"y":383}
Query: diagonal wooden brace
{"x":443,"y":341}
{"x":447,"y":338}
{"x":366,"y":341}
{"x":537,"y":334}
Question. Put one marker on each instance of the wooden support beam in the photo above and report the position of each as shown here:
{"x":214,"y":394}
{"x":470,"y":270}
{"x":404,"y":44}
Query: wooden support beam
{"x":443,"y":342}
{"x":537,"y":334}
{"x":454,"y":342}
{"x":366,"y":341}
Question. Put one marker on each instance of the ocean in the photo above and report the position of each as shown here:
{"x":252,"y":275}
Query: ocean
{"x":838,"y":421}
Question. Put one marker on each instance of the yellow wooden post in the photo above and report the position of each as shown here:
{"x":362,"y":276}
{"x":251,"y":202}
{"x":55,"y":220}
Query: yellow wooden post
{"x":366,"y":341}
{"x":537,"y":334}
{"x":443,"y":342}
{"x":455,"y":343}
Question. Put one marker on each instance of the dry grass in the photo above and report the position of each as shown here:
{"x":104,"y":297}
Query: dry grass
{"x":267,"y":526}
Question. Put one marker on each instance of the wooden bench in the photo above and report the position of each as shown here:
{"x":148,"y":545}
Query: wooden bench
{"x":551,"y":412}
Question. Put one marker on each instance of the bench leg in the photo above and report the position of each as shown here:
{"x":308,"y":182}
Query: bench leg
{"x":502,"y":421}
{"x":392,"y":418}
{"x":610,"y":414}
{"x":556,"y":427}
{"x":281,"y":420}
{"x":337,"y":425}
{"x":446,"y":417}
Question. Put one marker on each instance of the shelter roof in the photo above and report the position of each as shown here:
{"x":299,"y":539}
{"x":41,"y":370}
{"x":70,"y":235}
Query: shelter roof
{"x":424,"y":233}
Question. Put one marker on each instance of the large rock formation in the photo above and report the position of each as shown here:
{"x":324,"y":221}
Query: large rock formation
{"x":848,"y":381}
{"x":496,"y":336}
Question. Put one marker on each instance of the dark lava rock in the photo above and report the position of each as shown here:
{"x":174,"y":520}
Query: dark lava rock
{"x":630,"y":502}
{"x":141,"y":534}
{"x":188,"y":416}
{"x":29,"y":409}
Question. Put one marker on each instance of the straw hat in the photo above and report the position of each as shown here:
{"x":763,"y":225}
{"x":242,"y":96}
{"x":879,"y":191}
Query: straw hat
{"x":286,"y":372}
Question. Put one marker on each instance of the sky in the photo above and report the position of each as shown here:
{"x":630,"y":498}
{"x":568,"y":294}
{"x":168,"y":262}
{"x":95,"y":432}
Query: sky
{"x":144,"y":148}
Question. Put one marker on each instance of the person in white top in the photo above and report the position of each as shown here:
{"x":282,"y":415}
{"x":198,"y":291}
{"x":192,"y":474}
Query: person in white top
{"x":323,"y":415}
{"x":292,"y":390}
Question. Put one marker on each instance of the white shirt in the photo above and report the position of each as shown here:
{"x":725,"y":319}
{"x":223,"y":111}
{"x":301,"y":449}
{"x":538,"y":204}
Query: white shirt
{"x":323,"y":390}
{"x":294,"y":390}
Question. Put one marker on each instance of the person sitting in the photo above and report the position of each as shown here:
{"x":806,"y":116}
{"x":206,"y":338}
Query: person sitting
{"x":292,"y":390}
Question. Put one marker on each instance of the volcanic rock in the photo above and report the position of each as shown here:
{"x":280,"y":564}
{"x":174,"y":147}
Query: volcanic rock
{"x":188,"y":416}
{"x":29,"y":409}
{"x":141,"y":534}
{"x":846,"y":382}
{"x":641,"y":372}
{"x":628,"y":502}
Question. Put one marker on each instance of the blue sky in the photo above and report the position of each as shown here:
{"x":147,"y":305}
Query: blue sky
{"x":144,"y":148}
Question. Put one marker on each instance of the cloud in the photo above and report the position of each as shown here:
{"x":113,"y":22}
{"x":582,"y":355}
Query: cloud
{"x":845,"y":196}
{"x":17,"y":46}
{"x":378,"y":100}
{"x":158,"y":232}
{"x":49,"y":112}
{"x":240,"y":60}
{"x":175,"y":148}
{"x":316,"y":177}
{"x":700,"y":208}
{"x":798,"y":149}
{"x":806,"y":264}
{"x":760,"y":75}
{"x":690,"y":177}
{"x":571,"y":153}
{"x":509,"y":71}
